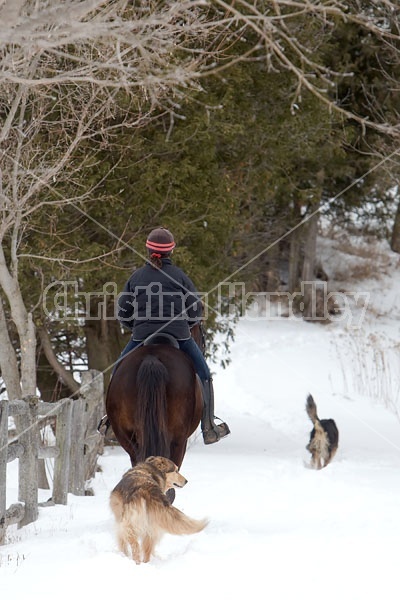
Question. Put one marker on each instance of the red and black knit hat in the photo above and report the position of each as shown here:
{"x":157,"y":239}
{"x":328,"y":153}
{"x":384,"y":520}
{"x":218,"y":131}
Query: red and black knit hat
{"x":160,"y":240}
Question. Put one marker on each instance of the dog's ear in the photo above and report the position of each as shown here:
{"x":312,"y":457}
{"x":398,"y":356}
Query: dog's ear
{"x":158,"y":462}
{"x":155,"y":462}
{"x":165,"y":465}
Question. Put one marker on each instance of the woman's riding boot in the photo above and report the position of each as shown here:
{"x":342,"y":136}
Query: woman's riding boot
{"x":211,"y":432}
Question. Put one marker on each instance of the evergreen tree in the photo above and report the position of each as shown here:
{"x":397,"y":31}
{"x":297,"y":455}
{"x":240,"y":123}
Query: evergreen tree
{"x":367,"y":181}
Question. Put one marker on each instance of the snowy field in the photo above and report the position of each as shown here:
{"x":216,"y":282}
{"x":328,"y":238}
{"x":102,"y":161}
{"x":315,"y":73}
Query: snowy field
{"x":277,"y":529}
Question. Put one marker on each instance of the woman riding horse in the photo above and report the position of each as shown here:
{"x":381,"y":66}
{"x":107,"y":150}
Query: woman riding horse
{"x":160,"y":298}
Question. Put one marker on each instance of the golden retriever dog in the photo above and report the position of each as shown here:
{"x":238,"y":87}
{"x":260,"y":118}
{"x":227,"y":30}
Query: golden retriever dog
{"x":142,"y":510}
{"x":324,"y":438}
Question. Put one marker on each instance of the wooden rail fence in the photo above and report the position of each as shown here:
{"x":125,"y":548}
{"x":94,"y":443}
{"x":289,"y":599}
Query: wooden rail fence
{"x":75,"y":451}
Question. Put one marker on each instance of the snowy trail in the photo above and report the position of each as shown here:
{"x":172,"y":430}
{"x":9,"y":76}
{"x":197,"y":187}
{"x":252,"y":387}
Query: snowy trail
{"x":277,"y":529}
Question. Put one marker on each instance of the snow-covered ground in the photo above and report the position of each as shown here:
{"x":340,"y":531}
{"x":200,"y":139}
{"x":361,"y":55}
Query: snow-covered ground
{"x":277,"y":529}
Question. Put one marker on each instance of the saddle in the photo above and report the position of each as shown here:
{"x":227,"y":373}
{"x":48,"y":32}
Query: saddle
{"x":161,"y":338}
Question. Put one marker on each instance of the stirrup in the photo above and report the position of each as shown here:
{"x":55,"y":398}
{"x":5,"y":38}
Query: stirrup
{"x":223,"y":430}
{"x":103,"y":426}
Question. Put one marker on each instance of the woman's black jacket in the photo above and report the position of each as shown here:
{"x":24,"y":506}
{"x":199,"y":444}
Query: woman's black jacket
{"x":163,"y":300}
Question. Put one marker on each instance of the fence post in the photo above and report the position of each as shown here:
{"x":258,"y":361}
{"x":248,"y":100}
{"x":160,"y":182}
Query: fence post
{"x":77,"y":464}
{"x":3,"y":466}
{"x":76,"y":450}
{"x":63,"y":443}
{"x":92,"y":390}
{"x":28,"y":463}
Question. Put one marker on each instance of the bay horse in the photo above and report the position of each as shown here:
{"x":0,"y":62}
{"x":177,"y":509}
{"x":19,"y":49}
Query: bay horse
{"x":154,"y":399}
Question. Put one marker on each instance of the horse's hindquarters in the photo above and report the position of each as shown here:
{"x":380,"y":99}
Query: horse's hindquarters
{"x":154,"y":403}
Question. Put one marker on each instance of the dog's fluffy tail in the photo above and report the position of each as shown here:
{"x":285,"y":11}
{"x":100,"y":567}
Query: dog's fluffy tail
{"x":117,"y":505}
{"x":172,"y":520}
{"x":311,"y":409}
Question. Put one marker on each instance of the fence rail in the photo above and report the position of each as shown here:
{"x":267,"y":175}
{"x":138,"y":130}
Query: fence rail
{"x":75,"y":452}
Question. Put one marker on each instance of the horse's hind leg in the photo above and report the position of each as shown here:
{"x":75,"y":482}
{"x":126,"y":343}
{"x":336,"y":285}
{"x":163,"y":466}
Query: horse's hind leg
{"x":126,"y":440}
{"x":177,"y":452}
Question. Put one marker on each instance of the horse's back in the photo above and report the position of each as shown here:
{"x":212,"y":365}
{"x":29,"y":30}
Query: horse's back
{"x":180,"y":369}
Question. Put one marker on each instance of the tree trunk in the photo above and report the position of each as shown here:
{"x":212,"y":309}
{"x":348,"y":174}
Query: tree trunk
{"x":24,"y":324}
{"x":8,"y":360}
{"x":28,"y":356}
{"x":308,"y":271}
{"x":395,"y":241}
{"x":104,"y":341}
{"x":294,"y":262}
{"x":271,"y":276}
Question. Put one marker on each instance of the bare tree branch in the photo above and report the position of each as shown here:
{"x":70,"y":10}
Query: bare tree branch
{"x":64,"y":375}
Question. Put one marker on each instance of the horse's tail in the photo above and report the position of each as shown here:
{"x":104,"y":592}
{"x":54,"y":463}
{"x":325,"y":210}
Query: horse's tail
{"x":151,"y":410}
